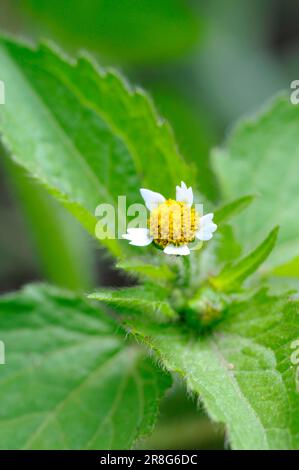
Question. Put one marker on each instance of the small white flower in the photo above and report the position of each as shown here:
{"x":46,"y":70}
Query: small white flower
{"x":173,"y":224}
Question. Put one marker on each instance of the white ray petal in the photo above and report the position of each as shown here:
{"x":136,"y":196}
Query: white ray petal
{"x":184,"y":194}
{"x":206,"y":227}
{"x":138,"y":236}
{"x":210,"y":227}
{"x":204,"y":236}
{"x":207,"y":218}
{"x":151,"y":199}
{"x":177,"y":250}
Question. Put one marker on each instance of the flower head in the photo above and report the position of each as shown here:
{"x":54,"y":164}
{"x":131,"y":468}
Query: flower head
{"x":172,"y":224}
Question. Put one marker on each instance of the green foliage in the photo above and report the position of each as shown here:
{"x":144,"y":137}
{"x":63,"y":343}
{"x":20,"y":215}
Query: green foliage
{"x":123,"y":136}
{"x":227,"y":211}
{"x":261,"y":158}
{"x":128,"y":31}
{"x":144,"y":270}
{"x":89,"y":138}
{"x":225,"y":247}
{"x":290,"y":269}
{"x":232,"y":276}
{"x":64,"y":253}
{"x":242,"y":370}
{"x":150,"y":300}
{"x":71,"y":381}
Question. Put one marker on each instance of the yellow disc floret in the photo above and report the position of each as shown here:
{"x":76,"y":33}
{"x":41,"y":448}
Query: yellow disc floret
{"x":173,"y":222}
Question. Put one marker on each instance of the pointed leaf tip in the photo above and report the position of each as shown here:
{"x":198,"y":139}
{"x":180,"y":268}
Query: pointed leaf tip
{"x":232,"y":276}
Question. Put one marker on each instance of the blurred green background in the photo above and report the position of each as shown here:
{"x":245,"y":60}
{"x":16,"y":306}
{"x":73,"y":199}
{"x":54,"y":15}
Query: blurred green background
{"x":205,"y":63}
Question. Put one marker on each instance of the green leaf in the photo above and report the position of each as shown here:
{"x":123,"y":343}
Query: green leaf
{"x":290,"y":269}
{"x":154,"y":272}
{"x":149,"y":300}
{"x":137,"y":32}
{"x":225,"y":248}
{"x":64,"y":252}
{"x":71,"y":381}
{"x":261,"y":157}
{"x":227,"y":211}
{"x":242,"y":371}
{"x":102,"y":132}
{"x":232,"y":276}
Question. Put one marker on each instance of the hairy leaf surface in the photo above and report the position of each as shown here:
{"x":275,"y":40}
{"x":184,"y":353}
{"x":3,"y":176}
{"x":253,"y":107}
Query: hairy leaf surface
{"x":80,"y":129}
{"x":242,"y":371}
{"x":261,"y":157}
{"x":71,"y":381}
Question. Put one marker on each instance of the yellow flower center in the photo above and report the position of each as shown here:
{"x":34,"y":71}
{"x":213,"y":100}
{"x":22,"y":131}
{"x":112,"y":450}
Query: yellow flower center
{"x":173,"y":222}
